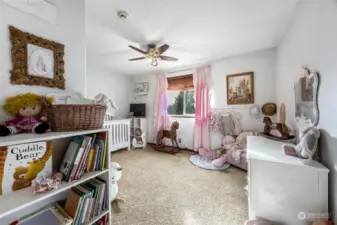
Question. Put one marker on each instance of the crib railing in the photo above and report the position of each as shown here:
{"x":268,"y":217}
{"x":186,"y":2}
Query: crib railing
{"x":119,"y":130}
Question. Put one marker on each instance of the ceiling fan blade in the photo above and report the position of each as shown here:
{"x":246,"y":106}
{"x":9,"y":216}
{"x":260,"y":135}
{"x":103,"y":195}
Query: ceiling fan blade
{"x":163,"y":49}
{"x":168,"y":58}
{"x":137,"y":49}
{"x":134,"y":59}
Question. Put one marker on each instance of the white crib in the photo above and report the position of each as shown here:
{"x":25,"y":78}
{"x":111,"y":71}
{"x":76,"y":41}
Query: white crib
{"x":119,"y":130}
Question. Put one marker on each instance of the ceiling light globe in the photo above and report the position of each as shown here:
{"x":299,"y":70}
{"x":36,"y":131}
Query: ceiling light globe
{"x":154,"y":62}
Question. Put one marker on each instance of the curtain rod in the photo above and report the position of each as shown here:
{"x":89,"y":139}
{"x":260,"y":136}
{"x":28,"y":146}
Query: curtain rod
{"x":179,"y":71}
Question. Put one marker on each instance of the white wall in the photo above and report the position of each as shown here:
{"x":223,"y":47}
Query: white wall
{"x":263,"y":63}
{"x":69,"y":31}
{"x":311,"y":41}
{"x":118,"y":87}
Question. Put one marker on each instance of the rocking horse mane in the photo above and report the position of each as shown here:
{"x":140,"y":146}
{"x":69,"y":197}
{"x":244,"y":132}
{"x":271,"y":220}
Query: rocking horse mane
{"x":175,"y":125}
{"x":267,"y":120}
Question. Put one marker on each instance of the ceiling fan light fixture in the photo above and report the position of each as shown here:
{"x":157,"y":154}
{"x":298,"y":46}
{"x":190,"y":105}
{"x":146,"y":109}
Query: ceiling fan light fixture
{"x":154,"y":62}
{"x":153,"y":54}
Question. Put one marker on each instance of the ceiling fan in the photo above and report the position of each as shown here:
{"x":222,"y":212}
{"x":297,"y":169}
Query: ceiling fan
{"x":153,"y":54}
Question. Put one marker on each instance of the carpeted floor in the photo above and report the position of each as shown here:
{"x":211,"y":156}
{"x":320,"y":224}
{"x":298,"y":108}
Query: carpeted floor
{"x":162,"y":189}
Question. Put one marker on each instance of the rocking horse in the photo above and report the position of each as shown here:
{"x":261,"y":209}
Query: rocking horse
{"x":171,"y":134}
{"x":280,"y":127}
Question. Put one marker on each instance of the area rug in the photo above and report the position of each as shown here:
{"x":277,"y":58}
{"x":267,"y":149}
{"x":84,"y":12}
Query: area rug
{"x":206,"y":163}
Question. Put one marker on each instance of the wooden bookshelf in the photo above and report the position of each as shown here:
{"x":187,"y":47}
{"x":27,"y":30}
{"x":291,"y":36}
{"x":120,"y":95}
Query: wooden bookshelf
{"x":22,"y":202}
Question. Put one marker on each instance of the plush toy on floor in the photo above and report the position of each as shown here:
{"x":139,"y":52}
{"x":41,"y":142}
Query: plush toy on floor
{"x":116,"y":171}
{"x":27,"y":109}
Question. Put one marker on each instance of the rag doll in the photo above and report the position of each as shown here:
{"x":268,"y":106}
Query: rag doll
{"x":26,"y":109}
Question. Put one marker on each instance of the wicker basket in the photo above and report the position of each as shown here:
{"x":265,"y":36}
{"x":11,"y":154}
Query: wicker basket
{"x":76,"y":117}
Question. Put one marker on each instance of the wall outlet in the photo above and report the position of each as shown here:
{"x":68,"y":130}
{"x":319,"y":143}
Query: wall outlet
{"x":179,"y":140}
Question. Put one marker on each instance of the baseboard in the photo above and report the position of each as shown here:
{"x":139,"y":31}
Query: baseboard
{"x":182,"y":149}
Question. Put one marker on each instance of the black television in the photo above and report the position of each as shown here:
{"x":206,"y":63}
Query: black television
{"x":138,"y":110}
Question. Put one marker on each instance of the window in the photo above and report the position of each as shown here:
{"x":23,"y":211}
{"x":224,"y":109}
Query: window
{"x":181,"y":96}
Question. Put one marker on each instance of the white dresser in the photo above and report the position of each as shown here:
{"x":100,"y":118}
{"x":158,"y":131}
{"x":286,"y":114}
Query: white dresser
{"x":281,"y":188}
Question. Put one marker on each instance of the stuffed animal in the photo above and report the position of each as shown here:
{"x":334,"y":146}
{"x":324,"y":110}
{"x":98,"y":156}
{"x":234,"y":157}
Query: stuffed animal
{"x":227,"y":141}
{"x":308,"y":144}
{"x":26,"y":109}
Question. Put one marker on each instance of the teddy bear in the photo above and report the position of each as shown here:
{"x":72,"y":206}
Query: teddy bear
{"x":20,"y":181}
{"x":306,"y":148}
{"x":26,"y":109}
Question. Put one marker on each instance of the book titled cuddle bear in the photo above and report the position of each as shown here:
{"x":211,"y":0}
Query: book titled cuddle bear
{"x":21,"y":164}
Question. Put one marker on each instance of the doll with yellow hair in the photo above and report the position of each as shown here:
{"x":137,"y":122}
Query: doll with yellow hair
{"x":26,"y":109}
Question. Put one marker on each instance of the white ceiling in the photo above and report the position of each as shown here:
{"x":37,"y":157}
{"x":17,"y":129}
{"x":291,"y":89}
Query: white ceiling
{"x":198,"y":31}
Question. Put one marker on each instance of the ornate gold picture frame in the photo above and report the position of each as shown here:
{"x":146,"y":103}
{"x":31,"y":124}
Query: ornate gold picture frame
{"x":240,"y":88}
{"x":35,"y":60}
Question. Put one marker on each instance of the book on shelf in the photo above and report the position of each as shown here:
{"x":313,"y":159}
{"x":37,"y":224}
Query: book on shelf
{"x":84,"y":154}
{"x":79,"y":157}
{"x":21,"y":164}
{"x":90,"y":159}
{"x":70,"y":156}
{"x":86,"y":201}
{"x":103,"y":221}
{"x":104,"y":137}
{"x":54,"y":214}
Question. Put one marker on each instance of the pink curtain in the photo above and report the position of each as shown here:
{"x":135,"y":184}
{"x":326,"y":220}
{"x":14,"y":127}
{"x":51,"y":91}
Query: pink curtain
{"x":161,"y":117}
{"x":202,"y":84}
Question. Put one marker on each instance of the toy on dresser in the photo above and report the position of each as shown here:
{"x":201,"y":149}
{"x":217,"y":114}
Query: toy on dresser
{"x":276,"y":131}
{"x":307,"y":146}
{"x":26,"y":109}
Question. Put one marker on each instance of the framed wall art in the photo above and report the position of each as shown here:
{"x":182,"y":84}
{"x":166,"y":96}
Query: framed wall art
{"x":240,"y":88}
{"x":141,"y":88}
{"x":36,"y":61}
